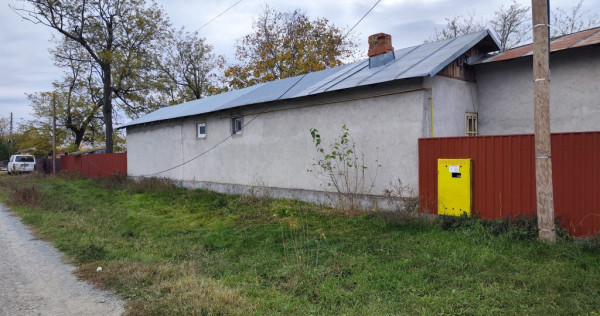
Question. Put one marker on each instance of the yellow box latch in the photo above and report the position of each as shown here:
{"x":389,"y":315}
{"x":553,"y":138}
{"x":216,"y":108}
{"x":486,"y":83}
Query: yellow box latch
{"x":454,"y":187}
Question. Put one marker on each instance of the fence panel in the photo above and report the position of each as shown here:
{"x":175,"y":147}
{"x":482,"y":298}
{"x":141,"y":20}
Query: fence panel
{"x":504,"y":176}
{"x":96,"y":165}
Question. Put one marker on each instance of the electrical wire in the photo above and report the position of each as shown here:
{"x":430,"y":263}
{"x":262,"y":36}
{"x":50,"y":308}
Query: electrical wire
{"x":216,"y":17}
{"x":265,"y":110}
{"x":226,"y":138}
{"x":364,"y":16}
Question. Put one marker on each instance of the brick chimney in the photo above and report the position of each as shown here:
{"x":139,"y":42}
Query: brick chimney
{"x":380,"y":43}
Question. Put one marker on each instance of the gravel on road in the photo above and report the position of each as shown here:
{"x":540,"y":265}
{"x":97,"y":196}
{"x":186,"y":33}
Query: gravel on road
{"x":34,"y":280}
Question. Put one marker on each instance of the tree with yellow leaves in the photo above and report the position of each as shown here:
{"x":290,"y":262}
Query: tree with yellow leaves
{"x":287,"y":44}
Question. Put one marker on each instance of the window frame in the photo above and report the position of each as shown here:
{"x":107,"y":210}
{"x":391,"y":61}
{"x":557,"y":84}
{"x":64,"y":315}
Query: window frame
{"x":473,"y":128}
{"x":198,"y":135}
{"x":234,"y":127}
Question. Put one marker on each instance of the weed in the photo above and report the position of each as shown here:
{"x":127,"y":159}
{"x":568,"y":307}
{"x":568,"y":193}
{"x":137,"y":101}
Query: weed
{"x":26,"y":196}
{"x":403,"y":198}
{"x":343,"y":169}
{"x":71,"y":175}
{"x":151,"y":185}
{"x":301,"y":252}
{"x":257,"y":195}
{"x":518,"y":227}
{"x":591,"y":242}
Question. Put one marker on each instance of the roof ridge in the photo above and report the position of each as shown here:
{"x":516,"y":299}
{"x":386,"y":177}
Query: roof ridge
{"x":422,"y":59}
{"x":412,"y":49}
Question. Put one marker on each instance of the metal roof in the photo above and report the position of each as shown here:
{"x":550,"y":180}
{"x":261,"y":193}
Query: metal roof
{"x":412,"y":62}
{"x":579,"y":39}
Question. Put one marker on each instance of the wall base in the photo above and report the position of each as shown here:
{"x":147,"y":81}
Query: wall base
{"x":327,"y":199}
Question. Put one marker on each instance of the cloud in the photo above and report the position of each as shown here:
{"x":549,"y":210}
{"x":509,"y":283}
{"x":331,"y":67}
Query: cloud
{"x":26,"y":66}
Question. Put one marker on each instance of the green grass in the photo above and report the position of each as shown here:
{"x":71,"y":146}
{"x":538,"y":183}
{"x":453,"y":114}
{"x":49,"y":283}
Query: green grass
{"x":174,"y":251}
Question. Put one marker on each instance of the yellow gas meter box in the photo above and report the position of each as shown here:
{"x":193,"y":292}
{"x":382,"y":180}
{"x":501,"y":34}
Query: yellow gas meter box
{"x":454,"y":187}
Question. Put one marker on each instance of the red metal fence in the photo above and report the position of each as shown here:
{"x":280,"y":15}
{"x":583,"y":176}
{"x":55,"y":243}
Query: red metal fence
{"x":504,"y":176}
{"x":96,"y":165}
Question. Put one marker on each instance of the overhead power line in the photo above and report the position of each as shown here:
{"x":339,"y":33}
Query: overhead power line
{"x":216,"y":17}
{"x":371,"y":9}
{"x":226,"y":138}
{"x":257,"y":115}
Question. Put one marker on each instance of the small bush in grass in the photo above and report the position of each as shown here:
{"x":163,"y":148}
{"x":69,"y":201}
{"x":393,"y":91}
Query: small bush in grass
{"x":26,"y":196}
{"x":115,"y":181}
{"x":151,"y":185}
{"x":403,"y":198}
{"x":120,"y":181}
{"x":71,"y":175}
{"x":254,"y":197}
{"x":518,"y":227}
{"x":591,"y":242}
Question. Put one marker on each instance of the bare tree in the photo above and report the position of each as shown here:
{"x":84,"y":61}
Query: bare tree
{"x":566,"y":22}
{"x":511,"y":25}
{"x":457,"y":26}
{"x":119,"y":36}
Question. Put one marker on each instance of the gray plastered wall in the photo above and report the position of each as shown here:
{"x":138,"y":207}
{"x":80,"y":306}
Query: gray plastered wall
{"x":453,"y":98}
{"x":506,"y":93}
{"x":276,"y":150}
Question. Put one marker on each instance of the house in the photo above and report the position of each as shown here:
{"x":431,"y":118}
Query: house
{"x":456,"y":87}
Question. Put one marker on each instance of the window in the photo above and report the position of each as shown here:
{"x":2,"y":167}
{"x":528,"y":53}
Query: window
{"x":237,"y":124}
{"x":201,"y":130}
{"x":24,"y":159}
{"x":471,"y":124}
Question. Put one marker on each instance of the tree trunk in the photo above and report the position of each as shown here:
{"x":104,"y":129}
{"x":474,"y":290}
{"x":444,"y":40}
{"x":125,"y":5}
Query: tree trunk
{"x":107,"y":107}
{"x":79,"y":136}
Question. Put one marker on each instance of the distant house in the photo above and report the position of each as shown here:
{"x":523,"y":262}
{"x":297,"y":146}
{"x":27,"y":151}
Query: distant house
{"x":455,"y":87}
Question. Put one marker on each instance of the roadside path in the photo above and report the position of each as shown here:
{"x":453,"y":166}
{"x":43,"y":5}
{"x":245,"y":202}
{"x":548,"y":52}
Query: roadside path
{"x":35,"y":281}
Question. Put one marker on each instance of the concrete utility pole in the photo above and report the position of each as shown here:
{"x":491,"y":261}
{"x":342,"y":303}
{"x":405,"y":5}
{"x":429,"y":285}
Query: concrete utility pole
{"x":541,"y":89}
{"x":54,"y":133}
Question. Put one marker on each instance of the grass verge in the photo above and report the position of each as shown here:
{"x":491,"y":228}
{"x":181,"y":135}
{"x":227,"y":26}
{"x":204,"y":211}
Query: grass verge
{"x":171,"y":251}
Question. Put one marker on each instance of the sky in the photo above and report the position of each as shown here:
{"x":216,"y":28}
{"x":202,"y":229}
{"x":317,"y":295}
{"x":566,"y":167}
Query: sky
{"x":26,"y":66}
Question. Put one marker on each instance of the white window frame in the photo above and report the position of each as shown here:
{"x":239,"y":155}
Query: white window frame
{"x":473,"y":128}
{"x":235,"y":129}
{"x":198,"y":134}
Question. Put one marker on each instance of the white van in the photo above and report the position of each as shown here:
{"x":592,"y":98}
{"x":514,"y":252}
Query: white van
{"x":21,"y":163}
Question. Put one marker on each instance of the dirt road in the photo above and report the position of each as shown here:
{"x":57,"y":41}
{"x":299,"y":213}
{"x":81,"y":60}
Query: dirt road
{"x":35,"y":281}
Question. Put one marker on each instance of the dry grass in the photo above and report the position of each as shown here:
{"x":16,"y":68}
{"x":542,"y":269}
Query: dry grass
{"x":170,"y":289}
{"x":26,"y":196}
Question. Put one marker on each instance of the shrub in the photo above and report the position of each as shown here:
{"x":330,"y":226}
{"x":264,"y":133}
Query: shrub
{"x":151,"y":185}
{"x":518,"y":227}
{"x":342,"y":168}
{"x":26,"y":196}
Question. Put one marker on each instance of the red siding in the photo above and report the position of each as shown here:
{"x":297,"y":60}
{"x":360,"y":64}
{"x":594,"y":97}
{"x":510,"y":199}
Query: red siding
{"x":97,"y":165}
{"x":504,"y":176}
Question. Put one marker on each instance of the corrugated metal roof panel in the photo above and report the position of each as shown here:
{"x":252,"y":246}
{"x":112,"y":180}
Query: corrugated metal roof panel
{"x":579,"y":39}
{"x":412,"y":62}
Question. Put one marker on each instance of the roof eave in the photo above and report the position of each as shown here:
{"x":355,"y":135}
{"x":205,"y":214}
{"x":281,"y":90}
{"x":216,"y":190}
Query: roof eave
{"x":464,"y":49}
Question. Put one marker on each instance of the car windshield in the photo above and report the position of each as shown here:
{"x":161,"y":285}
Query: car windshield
{"x":24,"y":159}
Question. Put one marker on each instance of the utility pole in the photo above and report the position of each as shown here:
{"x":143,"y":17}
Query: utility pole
{"x":541,"y":89}
{"x":11,"y":127}
{"x":11,"y":145}
{"x":54,"y":133}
